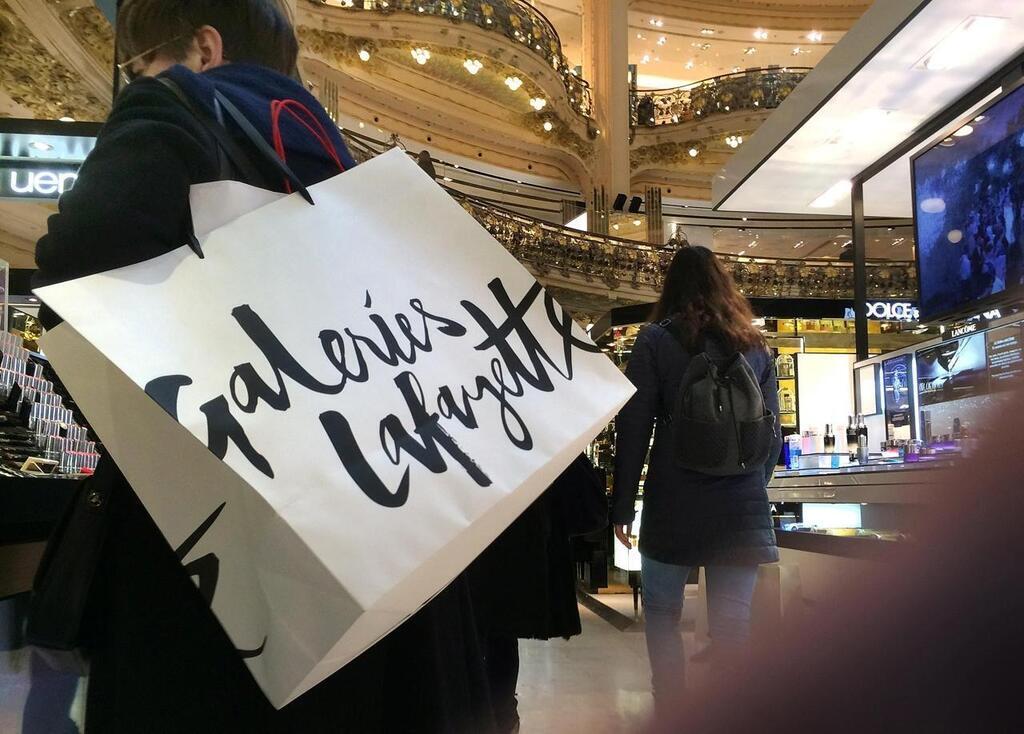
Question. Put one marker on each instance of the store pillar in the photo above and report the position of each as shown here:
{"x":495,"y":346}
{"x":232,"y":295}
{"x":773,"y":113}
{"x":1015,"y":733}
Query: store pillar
{"x":606,"y":66}
{"x":860,"y":269}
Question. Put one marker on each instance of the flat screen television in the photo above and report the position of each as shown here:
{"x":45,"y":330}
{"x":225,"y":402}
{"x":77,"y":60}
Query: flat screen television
{"x":969,"y":214}
{"x":1005,"y":347}
{"x":952,"y":371}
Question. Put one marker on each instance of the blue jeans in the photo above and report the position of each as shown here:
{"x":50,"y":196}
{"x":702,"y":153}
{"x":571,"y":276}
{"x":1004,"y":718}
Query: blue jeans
{"x":729,"y":592}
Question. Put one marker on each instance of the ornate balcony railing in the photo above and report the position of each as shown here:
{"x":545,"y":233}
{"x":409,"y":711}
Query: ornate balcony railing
{"x":518,"y":21}
{"x":746,"y":90}
{"x":552,"y":250}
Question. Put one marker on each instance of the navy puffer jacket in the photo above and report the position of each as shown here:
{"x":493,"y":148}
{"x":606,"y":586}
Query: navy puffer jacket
{"x":689,"y":518}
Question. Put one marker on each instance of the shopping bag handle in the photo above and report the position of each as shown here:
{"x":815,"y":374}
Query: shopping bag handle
{"x":260,"y":142}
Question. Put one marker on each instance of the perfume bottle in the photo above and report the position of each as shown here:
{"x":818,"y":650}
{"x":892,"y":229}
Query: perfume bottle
{"x":830,"y":439}
{"x":851,"y":439}
{"x":784,"y":365}
{"x":786,"y":402}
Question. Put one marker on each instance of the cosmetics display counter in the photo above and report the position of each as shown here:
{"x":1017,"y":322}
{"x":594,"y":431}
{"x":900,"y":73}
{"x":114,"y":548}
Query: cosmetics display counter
{"x":877,"y":482}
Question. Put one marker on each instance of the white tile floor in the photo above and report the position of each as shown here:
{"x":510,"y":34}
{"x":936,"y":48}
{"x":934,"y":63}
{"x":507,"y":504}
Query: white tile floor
{"x":598,"y":682}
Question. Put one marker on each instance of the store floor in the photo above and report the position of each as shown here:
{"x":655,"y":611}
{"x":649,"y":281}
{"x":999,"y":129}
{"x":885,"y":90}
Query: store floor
{"x":598,"y":682}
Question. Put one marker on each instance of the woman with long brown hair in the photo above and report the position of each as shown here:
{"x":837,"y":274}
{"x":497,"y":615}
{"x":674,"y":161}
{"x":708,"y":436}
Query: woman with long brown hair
{"x":691,"y":518}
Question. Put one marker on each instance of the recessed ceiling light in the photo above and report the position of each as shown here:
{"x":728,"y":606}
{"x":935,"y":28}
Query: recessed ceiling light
{"x":548,"y":126}
{"x":448,"y":179}
{"x":761,"y":34}
{"x":798,"y":245}
{"x":656,"y":22}
{"x":513,"y":82}
{"x":741,"y":253}
{"x":707,"y":31}
{"x":662,"y":41}
{"x":364,"y":55}
{"x":693,"y":152}
{"x":473,"y":65}
{"x":420,"y":55}
{"x":980,"y":118}
{"x":744,"y":219}
{"x":689,"y":64}
{"x":646,"y":58}
{"x":615,"y":226}
{"x":963,"y":132}
{"x":815,"y":36}
{"x":538,"y":103}
{"x":40,"y":145}
{"x":963,"y":44}
{"x":636,"y":222}
{"x":702,"y":46}
{"x":67,"y":119}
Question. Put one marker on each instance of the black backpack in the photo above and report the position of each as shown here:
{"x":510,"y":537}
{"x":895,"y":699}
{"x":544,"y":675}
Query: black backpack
{"x":720,"y":425}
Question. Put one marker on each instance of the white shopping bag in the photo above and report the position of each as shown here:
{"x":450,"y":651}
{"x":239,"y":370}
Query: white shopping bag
{"x":336,"y":410}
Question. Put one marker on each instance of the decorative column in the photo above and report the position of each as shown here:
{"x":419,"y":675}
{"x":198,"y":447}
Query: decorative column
{"x":597,"y":211}
{"x":655,"y":221}
{"x":606,"y":67}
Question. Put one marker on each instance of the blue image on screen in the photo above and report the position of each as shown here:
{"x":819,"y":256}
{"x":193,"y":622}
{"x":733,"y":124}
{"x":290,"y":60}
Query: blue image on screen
{"x":952,"y":371}
{"x":969,"y":212}
{"x":896,"y":374}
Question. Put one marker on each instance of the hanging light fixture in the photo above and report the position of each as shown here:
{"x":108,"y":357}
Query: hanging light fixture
{"x":421,"y":55}
{"x":473,"y":65}
{"x":538,"y":103}
{"x":513,"y":82}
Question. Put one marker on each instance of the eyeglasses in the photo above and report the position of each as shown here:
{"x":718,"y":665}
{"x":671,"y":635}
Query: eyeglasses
{"x":128,"y":75}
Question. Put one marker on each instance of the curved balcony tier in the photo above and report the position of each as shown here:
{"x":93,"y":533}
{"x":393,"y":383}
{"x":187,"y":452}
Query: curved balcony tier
{"x":753,"y":89}
{"x":627,"y":270}
{"x":487,"y":112}
{"x":520,"y":23}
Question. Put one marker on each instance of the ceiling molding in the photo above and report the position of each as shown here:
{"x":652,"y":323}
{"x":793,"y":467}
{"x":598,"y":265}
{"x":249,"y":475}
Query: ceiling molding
{"x":36,"y":80}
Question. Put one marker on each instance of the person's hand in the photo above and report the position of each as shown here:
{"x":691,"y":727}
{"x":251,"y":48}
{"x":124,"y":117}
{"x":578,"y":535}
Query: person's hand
{"x":622,"y":532}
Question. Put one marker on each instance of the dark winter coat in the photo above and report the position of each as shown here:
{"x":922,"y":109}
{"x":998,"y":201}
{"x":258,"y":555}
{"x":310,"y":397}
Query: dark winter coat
{"x":689,"y":518}
{"x":524,"y":584}
{"x":160,"y":660}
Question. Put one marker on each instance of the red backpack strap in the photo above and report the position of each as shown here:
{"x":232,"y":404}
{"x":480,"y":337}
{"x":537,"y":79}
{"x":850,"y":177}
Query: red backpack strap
{"x":301,"y":114}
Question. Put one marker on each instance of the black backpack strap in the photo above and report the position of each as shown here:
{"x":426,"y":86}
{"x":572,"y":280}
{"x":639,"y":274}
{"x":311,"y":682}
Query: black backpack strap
{"x":231,"y":157}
